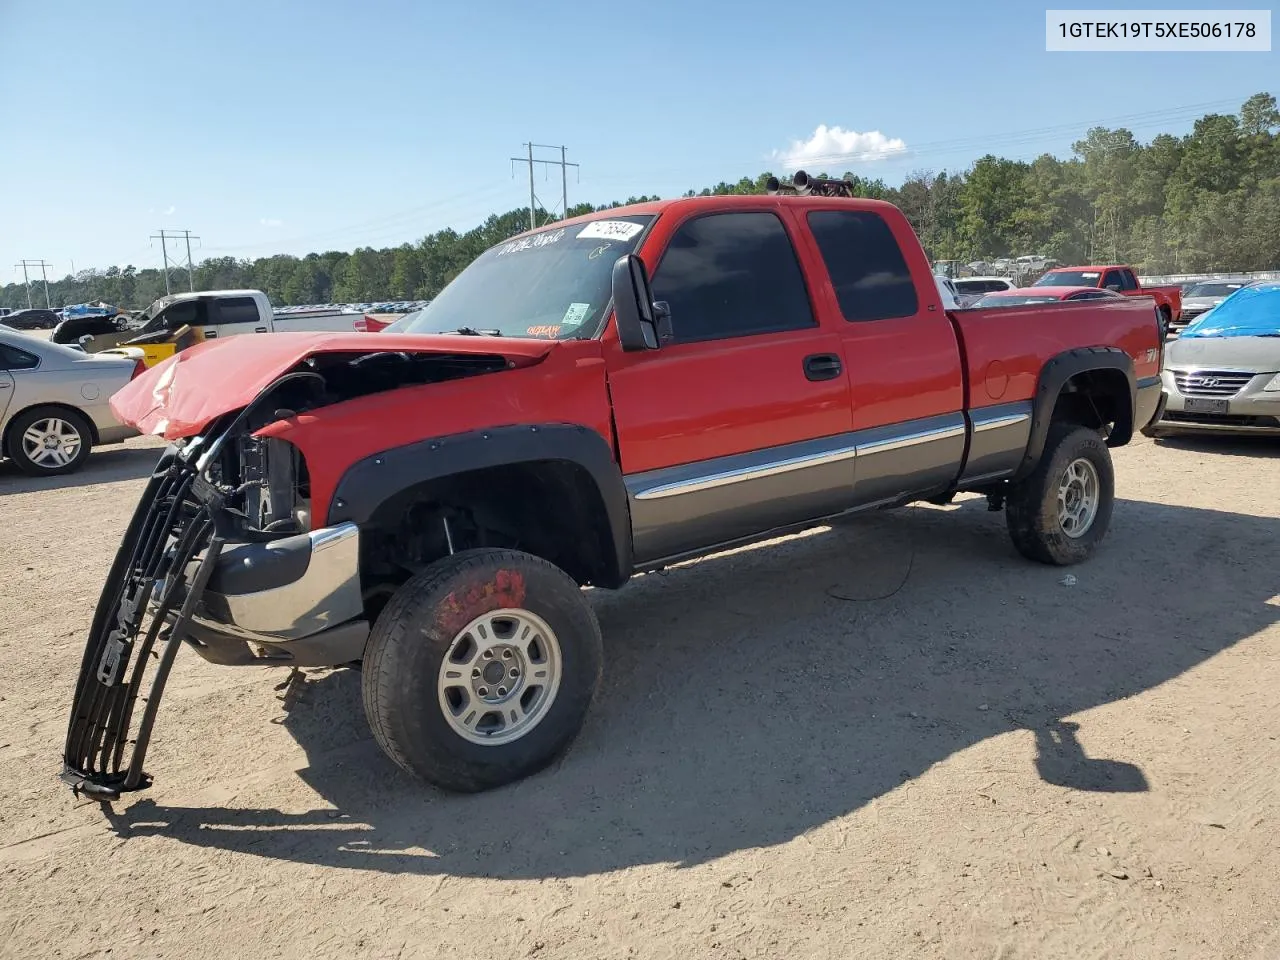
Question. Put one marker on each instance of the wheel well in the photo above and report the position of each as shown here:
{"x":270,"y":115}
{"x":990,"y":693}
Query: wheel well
{"x":1097,"y":399}
{"x":549,"y":508}
{"x":8,"y":430}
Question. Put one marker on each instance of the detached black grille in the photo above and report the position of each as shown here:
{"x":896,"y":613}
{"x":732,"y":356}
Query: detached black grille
{"x":137,"y":628}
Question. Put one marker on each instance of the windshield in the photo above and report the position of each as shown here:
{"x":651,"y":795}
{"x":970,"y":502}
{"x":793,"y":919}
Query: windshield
{"x":1249,"y":312}
{"x":1013,"y":300}
{"x":1069,"y":278}
{"x":1217,"y":289}
{"x":551,"y":285}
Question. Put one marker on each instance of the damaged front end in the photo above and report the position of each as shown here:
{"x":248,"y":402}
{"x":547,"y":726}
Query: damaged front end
{"x":221,"y":555}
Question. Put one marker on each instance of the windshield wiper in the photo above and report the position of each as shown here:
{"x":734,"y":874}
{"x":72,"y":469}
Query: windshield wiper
{"x":473,"y":332}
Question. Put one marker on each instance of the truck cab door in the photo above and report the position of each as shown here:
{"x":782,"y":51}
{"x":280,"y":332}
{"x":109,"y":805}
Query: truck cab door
{"x":737,"y":424}
{"x":184,"y":313}
{"x":906,"y":378}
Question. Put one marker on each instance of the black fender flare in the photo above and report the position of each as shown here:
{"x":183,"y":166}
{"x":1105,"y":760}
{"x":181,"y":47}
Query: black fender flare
{"x":369,"y":482}
{"x":1054,"y":376}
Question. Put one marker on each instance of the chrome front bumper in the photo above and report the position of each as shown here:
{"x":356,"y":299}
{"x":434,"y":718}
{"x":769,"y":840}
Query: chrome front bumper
{"x":290,"y":588}
{"x":292,"y":600}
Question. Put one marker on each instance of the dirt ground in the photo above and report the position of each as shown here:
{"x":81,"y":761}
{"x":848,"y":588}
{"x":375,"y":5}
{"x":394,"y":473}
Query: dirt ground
{"x":890,"y":738}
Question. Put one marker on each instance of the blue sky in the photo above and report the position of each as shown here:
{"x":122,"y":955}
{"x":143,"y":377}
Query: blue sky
{"x":289,"y":126}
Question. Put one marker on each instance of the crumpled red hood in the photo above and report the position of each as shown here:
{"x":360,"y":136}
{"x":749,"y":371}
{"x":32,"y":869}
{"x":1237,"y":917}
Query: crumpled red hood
{"x":180,"y":396}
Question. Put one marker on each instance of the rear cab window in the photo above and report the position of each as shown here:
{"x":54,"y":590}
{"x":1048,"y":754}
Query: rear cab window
{"x":866,"y":266}
{"x":235,"y":310}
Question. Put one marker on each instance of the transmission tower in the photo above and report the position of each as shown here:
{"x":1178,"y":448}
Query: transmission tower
{"x":164,"y":239}
{"x":564,"y":166}
{"x":44,"y":277}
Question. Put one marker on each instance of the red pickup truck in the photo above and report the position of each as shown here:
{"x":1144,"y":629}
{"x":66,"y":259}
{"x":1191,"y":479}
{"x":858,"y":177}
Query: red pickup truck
{"x":427,"y":505}
{"x":1122,"y":280}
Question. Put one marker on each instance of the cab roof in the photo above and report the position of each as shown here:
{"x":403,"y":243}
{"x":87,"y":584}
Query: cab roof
{"x":757,"y":200}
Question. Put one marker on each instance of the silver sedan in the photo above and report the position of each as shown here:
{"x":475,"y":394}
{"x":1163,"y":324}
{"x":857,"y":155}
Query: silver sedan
{"x":53,"y":402}
{"x":1223,"y":374}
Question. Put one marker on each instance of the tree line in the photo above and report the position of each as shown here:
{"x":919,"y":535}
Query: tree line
{"x":1206,"y":201}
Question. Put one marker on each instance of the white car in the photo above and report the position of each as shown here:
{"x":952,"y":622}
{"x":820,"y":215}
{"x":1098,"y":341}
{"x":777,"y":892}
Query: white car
{"x":972,"y":289}
{"x":947,"y":290}
{"x":53,"y":402}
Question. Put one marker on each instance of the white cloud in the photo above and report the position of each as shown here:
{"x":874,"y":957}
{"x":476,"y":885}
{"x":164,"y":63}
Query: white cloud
{"x":271,"y":222}
{"x":831,"y":145}
{"x":170,"y":210}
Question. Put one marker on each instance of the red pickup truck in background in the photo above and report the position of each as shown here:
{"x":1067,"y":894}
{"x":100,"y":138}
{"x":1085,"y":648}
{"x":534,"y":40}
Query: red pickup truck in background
{"x":428,"y":503}
{"x":1122,"y":280}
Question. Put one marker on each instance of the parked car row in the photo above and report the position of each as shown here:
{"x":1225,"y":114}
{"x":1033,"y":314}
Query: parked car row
{"x":37,"y":318}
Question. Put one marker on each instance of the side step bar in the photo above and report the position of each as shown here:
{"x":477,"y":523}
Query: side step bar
{"x":139,"y":624}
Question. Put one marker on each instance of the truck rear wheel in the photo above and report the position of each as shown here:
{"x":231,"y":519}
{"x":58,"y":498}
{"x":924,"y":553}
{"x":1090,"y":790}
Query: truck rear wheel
{"x":1061,"y":511}
{"x":480,"y":670}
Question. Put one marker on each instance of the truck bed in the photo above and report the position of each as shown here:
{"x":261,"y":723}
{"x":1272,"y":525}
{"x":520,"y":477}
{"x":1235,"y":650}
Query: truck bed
{"x":996,"y":373}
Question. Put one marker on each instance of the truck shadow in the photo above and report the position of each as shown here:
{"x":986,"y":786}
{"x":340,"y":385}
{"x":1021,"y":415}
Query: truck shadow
{"x":756,"y":696}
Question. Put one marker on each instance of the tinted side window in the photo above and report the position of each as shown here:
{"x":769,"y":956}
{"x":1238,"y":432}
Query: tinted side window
{"x":236,"y":310}
{"x":11,"y":358}
{"x":1111,"y":276}
{"x":1128,"y":281}
{"x":186,"y":313}
{"x":866,"y":265}
{"x":730,"y":275}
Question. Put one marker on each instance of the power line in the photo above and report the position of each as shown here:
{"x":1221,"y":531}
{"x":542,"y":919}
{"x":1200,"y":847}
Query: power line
{"x":376,"y":228}
{"x":564,"y":166}
{"x":26,"y":279}
{"x":164,"y":253}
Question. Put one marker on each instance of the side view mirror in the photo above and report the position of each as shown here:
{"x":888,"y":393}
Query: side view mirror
{"x":633,"y":307}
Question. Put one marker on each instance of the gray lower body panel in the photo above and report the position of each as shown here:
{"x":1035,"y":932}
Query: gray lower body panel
{"x":690,"y":507}
{"x":1000,"y":437}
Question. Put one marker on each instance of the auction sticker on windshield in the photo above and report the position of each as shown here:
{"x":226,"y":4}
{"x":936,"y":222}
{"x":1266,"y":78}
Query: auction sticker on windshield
{"x":610,"y":230}
{"x":574,"y":316}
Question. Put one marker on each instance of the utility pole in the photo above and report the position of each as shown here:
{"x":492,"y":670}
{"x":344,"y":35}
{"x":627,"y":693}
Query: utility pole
{"x":564,"y":166}
{"x":44,"y":277}
{"x":164,"y":253}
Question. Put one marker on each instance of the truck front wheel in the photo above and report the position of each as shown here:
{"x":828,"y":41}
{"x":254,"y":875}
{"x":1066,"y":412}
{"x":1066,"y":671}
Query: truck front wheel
{"x":1061,"y":511}
{"x":480,"y":670}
